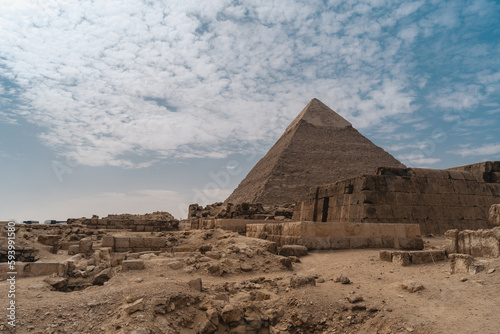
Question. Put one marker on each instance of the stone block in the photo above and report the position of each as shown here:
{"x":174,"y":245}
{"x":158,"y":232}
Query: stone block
{"x":452,"y":240}
{"x":385,"y":255}
{"x":196,"y":284}
{"x":121,"y":242}
{"x":43,"y":268}
{"x":73,"y":249}
{"x":65,"y":245}
{"x":85,"y":246}
{"x":357,"y":243}
{"x":136,"y":242}
{"x":108,"y":241}
{"x":154,"y":243}
{"x":132,"y":265}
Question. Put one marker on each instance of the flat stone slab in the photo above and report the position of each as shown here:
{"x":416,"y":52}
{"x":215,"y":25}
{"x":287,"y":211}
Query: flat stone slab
{"x":132,"y":265}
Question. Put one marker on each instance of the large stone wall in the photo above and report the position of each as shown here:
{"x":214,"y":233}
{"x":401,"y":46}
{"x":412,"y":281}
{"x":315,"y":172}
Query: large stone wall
{"x":437,"y":200}
{"x":315,"y":235}
{"x":236,"y":225}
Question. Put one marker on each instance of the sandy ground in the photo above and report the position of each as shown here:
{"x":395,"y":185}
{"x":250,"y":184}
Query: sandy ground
{"x":458,"y":303}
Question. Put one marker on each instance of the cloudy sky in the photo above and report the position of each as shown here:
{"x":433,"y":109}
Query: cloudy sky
{"x":137,"y":106}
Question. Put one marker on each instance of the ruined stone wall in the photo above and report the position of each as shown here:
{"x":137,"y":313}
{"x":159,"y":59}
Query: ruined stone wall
{"x":157,"y":221}
{"x":437,"y":200}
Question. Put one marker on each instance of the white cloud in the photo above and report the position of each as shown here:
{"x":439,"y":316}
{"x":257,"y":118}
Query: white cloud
{"x":125,"y":83}
{"x":490,"y":151}
{"x":417,"y":159}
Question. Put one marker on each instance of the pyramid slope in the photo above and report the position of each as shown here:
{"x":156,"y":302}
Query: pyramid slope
{"x":318,"y":147}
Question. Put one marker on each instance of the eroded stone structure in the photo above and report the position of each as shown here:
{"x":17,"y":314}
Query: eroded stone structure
{"x":150,"y":222}
{"x":437,"y":200}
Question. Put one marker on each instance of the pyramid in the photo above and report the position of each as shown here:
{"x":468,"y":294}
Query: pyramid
{"x":317,"y":148}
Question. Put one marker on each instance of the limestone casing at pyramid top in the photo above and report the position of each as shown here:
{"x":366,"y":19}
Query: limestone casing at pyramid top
{"x":319,"y":114}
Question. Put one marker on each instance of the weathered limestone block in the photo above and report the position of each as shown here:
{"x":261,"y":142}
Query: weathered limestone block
{"x":293,"y":250}
{"x":494,"y":215}
{"x":73,"y":249}
{"x":108,"y":241}
{"x":132,"y":265}
{"x":85,"y":246}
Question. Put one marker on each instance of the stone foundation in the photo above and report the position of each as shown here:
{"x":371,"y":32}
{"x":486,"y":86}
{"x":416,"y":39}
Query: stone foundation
{"x":316,"y":235}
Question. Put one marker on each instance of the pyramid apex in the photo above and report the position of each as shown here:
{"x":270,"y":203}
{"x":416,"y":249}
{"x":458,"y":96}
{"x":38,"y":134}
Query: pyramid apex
{"x":319,"y":114}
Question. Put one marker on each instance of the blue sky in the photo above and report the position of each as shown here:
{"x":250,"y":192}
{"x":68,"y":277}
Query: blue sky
{"x":137,"y":106}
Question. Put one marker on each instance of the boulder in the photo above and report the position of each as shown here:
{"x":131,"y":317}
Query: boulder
{"x":85,"y":246}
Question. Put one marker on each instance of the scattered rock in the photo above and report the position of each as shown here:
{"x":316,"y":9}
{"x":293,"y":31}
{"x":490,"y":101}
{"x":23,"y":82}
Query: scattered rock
{"x":196,"y":284}
{"x":412,"y":286}
{"x":213,"y":255}
{"x":286,"y":262}
{"x":342,"y":279}
{"x":103,"y":277}
{"x":320,"y":280}
{"x":138,"y":305}
{"x":246,"y":267}
{"x":205,"y":248}
{"x":491,"y":271}
{"x":231,"y":315}
{"x":176,"y":265}
{"x":354,"y":298}
{"x":57,"y":283}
